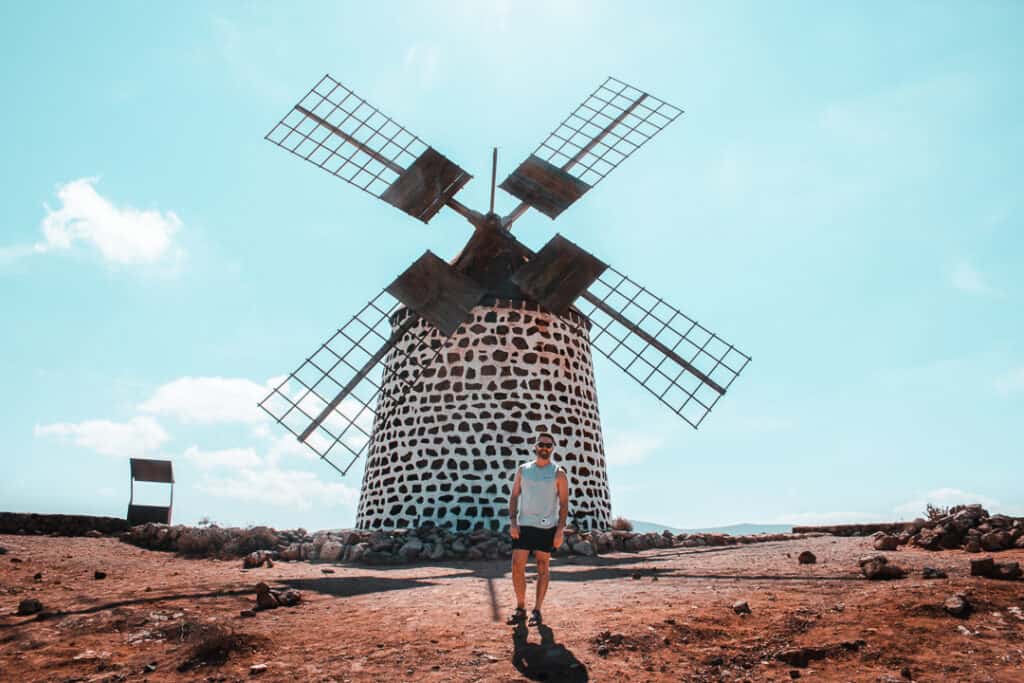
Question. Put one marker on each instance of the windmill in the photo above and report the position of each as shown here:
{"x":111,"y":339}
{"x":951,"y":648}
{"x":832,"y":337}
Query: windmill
{"x":442,"y":378}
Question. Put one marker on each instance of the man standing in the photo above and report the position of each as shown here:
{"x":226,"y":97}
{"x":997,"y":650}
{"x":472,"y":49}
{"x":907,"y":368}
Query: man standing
{"x":537,"y":523}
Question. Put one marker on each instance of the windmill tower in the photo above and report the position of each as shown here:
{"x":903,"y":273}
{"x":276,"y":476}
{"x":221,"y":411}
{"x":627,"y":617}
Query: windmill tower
{"x":444,"y":378}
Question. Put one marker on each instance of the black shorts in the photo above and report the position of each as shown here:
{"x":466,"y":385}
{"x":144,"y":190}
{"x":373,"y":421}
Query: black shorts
{"x":535,"y":538}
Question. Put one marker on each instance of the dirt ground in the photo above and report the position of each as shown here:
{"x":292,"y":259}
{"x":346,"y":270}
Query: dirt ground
{"x":660,"y":615}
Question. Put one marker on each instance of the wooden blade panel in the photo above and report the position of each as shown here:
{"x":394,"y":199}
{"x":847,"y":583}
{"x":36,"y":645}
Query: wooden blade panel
{"x":558,"y":274}
{"x":344,"y":377}
{"x":544,"y":186}
{"x":437,"y":292}
{"x":426,"y":186}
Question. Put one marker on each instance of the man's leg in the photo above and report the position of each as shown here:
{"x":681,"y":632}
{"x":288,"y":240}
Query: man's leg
{"x":519,"y":576}
{"x":543,"y":574}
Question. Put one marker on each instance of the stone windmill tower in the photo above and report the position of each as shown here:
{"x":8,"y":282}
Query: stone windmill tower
{"x":445,"y":377}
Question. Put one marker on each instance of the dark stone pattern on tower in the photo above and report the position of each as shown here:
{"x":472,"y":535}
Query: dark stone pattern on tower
{"x":447,"y":452}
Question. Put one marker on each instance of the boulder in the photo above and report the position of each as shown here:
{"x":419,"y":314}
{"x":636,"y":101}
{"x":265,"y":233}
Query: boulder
{"x":986,"y":566}
{"x":411,"y":549}
{"x":583,"y":548}
{"x":357,"y":551}
{"x":886,"y":542}
{"x":806,"y":557}
{"x":741,"y":607}
{"x":996,"y":540}
{"x":957,"y":606}
{"x":877,"y":568}
{"x":932,"y":573}
{"x":330,"y":551}
{"x":1007,"y":571}
{"x":29,"y":606}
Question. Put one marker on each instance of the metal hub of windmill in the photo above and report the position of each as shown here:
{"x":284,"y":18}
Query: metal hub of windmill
{"x":399,"y":380}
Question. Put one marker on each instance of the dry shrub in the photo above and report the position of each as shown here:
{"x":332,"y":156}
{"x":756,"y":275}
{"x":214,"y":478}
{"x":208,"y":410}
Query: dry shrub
{"x":622,"y":524}
{"x":214,"y":644}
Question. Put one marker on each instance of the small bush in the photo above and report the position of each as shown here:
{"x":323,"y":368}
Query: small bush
{"x":622,"y":524}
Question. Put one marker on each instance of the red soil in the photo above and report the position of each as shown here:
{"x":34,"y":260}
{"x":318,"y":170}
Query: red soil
{"x":653,"y":616}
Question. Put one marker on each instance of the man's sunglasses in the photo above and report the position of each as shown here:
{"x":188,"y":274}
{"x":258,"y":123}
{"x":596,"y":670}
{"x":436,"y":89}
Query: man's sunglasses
{"x":548,"y":446}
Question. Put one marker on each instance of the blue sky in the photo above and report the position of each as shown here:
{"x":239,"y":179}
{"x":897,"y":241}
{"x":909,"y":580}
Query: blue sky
{"x":841,"y":200}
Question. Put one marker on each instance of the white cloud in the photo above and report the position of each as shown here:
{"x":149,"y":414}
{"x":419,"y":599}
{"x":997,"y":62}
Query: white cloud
{"x":944,"y":497}
{"x":280,"y":488}
{"x":630,"y":448}
{"x":208,"y":400}
{"x":966,"y":279}
{"x":1011,"y":382}
{"x":227,"y":457}
{"x":121,"y":234}
{"x":134,"y":438}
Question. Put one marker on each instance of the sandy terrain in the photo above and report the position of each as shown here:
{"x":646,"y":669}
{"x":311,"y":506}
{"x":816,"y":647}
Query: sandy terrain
{"x":655,"y":616}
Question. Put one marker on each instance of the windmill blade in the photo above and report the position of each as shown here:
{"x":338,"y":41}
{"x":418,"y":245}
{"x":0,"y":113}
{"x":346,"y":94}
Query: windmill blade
{"x":438,"y":293}
{"x":343,"y":134}
{"x":557,"y":274}
{"x":612,"y":123}
{"x":685,"y":365}
{"x":330,"y":401}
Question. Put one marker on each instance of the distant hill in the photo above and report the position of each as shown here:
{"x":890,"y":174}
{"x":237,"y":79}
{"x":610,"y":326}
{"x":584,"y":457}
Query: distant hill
{"x":742,"y":529}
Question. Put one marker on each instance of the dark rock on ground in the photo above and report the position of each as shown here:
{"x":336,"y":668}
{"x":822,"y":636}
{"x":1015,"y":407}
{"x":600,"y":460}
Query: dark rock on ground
{"x":29,"y":606}
{"x":877,"y":568}
{"x":957,"y":605}
{"x":933,"y":573}
{"x":741,"y":607}
{"x":806,"y":557}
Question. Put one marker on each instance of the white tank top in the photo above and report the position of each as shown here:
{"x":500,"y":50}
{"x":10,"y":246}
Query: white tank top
{"x":538,"y":499}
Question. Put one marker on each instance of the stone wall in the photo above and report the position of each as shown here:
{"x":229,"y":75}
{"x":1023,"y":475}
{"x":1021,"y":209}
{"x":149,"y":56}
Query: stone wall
{"x":59,"y":525}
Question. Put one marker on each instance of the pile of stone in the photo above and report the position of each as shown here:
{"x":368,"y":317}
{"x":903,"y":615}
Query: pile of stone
{"x":262,"y":545}
{"x":969,"y":527}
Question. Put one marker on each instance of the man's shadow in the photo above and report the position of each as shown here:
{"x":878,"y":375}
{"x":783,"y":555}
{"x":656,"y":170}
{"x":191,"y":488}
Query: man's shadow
{"x":547,"y":660}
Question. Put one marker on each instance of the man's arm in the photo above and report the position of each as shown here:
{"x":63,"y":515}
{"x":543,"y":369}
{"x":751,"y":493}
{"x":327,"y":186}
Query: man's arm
{"x":562,"y":486}
{"x":513,"y":507}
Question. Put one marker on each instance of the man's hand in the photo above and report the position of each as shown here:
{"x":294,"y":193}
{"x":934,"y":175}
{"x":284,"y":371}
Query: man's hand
{"x":514,"y":531}
{"x":558,"y":538}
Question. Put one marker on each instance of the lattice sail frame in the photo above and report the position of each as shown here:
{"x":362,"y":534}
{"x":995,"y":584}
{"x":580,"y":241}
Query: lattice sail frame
{"x":684,"y":394}
{"x":602,"y":107}
{"x":298,"y":399}
{"x":339,"y":106}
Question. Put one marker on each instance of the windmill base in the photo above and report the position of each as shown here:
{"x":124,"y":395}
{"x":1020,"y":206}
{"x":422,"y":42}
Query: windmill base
{"x":446,"y":451}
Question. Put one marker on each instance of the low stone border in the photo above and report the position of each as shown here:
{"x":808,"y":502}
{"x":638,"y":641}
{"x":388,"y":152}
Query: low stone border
{"x":428,"y":543}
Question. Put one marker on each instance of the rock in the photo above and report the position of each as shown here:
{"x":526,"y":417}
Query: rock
{"x":972,"y":546}
{"x":459,"y":546}
{"x":257,"y":669}
{"x":886,"y":542}
{"x":583,"y":548}
{"x":411,"y":549}
{"x":330,"y":551}
{"x":928,"y":539}
{"x":1007,"y":571}
{"x":957,"y":606}
{"x":1019,"y":543}
{"x":877,"y":568}
{"x":98,"y":575}
{"x":265,"y":598}
{"x":326,"y":570}
{"x":257,"y":558}
{"x":986,"y":566}
{"x":246,"y":613}
{"x":37,"y":577}
{"x":357,"y":551}
{"x":291,"y":553}
{"x":3,"y":550}
{"x":996,"y":540}
{"x":741,"y":607}
{"x":806,"y":557}
{"x":289,"y":598}
{"x":932,"y":573}
{"x":94,"y":533}
{"x":29,"y":606}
